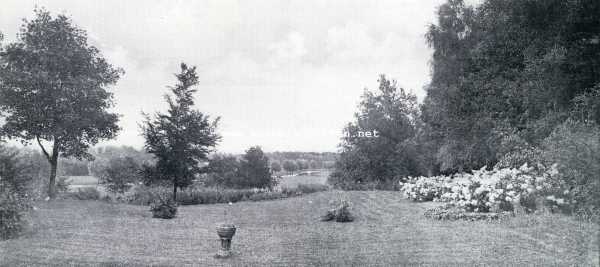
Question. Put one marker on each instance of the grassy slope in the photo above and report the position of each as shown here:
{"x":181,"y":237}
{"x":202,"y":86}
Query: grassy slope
{"x":389,"y":231}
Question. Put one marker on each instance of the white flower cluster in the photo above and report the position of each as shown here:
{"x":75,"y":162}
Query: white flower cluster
{"x":483,"y":189}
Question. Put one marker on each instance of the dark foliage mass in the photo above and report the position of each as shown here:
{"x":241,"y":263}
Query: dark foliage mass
{"x":505,"y":74}
{"x":251,"y":171}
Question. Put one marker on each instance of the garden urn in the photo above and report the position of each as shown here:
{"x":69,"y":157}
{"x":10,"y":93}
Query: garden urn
{"x":225,"y":232}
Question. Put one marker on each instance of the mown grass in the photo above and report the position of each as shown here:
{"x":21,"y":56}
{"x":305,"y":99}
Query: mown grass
{"x":388,"y":231}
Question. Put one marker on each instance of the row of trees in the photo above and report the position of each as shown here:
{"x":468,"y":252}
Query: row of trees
{"x":513,"y":82}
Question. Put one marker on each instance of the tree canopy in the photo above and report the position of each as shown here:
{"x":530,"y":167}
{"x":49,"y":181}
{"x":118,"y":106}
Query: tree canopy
{"x":53,"y":89}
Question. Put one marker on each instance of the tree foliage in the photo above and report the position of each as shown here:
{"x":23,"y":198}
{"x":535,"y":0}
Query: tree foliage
{"x":120,"y":174}
{"x":254,"y":169}
{"x":506,"y":70}
{"x":181,"y":138}
{"x":390,"y":114}
{"x":53,"y":90}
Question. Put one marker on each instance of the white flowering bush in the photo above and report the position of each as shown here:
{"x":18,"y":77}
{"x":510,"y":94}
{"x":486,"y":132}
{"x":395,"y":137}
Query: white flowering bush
{"x":488,"y":190}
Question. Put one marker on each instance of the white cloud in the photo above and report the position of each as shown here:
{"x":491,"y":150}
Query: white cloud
{"x":271,"y":69}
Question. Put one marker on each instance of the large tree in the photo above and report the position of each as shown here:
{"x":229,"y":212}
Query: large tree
{"x":181,"y":138}
{"x":53,"y":90}
{"x":389,"y":116}
{"x":254,"y":170}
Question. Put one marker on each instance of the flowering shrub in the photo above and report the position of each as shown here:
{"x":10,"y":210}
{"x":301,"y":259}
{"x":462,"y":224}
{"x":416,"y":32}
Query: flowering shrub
{"x":488,"y":190}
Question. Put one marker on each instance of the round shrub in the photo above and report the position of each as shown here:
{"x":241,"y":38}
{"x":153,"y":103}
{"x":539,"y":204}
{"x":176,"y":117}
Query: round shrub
{"x":163,"y":206}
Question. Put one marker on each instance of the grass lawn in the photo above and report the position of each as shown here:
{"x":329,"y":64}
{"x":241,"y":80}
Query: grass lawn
{"x":318,"y":177}
{"x":389,"y":231}
{"x":82,"y":180}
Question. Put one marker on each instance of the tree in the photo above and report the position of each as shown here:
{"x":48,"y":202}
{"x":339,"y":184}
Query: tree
{"x":223,"y":170}
{"x":181,"y":138}
{"x":120,"y":174}
{"x":254,"y":169}
{"x":53,"y":90}
{"x":290,"y":166}
{"x":275,"y":166}
{"x":389,"y":115}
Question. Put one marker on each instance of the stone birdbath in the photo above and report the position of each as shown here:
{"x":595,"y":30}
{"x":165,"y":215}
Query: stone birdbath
{"x":225,"y":231}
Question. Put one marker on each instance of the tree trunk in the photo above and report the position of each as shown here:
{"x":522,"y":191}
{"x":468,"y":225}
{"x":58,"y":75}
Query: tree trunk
{"x":174,"y":192}
{"x":53,"y":160}
{"x":52,"y":180}
{"x":53,"y":167}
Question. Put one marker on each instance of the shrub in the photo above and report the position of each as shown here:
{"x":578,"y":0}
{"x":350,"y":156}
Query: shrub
{"x":340,"y":212}
{"x":119,"y":174}
{"x":575,"y":147}
{"x":267,"y":195}
{"x":144,"y":195}
{"x":163,"y":206}
{"x":303,"y":189}
{"x":85,"y":193}
{"x":483,"y":190}
{"x":13,"y":208}
{"x":452,"y":213}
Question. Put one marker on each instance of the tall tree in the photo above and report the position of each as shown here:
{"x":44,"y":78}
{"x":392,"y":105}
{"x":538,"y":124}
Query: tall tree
{"x":389,"y":115}
{"x":181,"y":138}
{"x":254,"y":169}
{"x":53,"y":90}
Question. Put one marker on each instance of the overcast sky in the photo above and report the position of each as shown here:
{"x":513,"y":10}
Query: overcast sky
{"x":285,"y":75}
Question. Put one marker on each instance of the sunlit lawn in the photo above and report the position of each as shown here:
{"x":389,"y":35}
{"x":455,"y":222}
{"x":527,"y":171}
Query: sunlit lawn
{"x":389,"y":231}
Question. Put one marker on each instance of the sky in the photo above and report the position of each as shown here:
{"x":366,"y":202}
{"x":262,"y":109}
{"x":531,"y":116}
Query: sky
{"x":285,"y":75}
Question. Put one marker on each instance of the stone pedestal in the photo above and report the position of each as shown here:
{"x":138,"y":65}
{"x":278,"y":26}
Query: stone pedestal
{"x":225,"y":233}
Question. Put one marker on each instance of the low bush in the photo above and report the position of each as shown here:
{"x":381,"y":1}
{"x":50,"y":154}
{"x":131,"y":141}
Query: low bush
{"x":312,"y":188}
{"x":13,"y":209}
{"x":304,"y":189}
{"x":339,"y":213}
{"x":144,"y":195}
{"x":452,"y":213}
{"x":267,"y":195}
{"x":85,"y":193}
{"x":162,"y":205}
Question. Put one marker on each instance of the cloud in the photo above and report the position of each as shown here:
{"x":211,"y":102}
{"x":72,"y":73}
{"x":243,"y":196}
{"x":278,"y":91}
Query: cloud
{"x":291,"y":49}
{"x":281,"y":74}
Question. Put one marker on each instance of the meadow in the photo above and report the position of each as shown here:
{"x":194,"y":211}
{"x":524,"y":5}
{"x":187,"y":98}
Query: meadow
{"x":389,"y":230}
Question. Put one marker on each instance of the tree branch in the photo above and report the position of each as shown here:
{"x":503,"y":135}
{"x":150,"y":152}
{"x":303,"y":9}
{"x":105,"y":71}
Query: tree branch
{"x":43,"y":149}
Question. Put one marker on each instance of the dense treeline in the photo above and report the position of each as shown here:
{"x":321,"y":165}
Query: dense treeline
{"x":512,"y":82}
{"x":505,"y":74}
